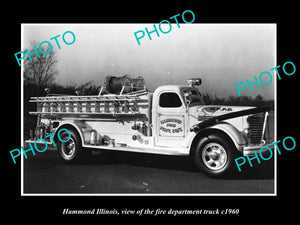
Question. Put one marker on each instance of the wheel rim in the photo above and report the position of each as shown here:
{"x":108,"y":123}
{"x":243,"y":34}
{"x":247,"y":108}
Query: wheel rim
{"x":68,"y":148}
{"x":214,"y":156}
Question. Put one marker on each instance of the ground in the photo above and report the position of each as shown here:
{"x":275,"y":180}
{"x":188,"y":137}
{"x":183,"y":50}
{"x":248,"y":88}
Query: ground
{"x":120,"y":172}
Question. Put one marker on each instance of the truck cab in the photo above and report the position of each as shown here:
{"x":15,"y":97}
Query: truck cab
{"x":171,"y":113}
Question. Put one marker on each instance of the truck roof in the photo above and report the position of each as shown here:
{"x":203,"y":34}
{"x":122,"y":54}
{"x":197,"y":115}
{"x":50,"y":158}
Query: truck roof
{"x":175,"y":88}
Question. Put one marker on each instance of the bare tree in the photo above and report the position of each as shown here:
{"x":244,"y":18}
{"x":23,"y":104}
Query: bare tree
{"x":39,"y":73}
{"x":40,"y":70}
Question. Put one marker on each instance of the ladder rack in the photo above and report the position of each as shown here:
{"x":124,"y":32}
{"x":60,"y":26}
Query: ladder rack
{"x":109,"y":104}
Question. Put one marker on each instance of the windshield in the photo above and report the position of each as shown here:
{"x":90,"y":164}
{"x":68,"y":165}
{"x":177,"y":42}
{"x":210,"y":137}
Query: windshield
{"x":192,"y":96}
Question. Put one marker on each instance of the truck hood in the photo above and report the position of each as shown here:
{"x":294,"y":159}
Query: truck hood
{"x":204,"y":112}
{"x":206,"y":116}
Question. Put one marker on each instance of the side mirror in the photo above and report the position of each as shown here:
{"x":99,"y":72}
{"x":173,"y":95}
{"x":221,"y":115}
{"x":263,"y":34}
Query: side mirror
{"x":187,"y":98}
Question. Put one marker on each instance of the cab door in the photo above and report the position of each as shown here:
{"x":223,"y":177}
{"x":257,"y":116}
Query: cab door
{"x":171,"y":120}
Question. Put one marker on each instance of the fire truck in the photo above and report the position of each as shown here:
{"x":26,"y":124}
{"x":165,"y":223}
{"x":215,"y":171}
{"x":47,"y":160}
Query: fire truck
{"x":173,"y":120}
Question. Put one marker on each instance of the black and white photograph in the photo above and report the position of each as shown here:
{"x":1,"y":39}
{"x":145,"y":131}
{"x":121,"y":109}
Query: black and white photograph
{"x":172,"y":114}
{"x":137,"y":112}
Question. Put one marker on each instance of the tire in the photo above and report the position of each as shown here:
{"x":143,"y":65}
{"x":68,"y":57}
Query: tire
{"x":214,"y":155}
{"x":69,"y":151}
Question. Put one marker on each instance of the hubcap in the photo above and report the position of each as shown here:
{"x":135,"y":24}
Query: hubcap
{"x":214,"y":156}
{"x":68,"y":148}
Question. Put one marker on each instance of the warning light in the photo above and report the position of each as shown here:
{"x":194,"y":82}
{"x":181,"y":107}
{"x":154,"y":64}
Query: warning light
{"x":194,"y":81}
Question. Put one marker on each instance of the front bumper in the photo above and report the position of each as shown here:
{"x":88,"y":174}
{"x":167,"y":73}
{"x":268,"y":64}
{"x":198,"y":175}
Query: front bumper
{"x":249,"y":150}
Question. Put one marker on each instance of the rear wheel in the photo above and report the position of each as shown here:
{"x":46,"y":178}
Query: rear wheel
{"x":215,"y":155}
{"x":69,"y":146}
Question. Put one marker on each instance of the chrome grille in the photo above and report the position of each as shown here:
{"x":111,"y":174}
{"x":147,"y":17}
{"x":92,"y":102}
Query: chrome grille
{"x":256,"y":128}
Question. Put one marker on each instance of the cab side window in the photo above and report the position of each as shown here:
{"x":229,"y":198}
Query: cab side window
{"x":169,"y":100}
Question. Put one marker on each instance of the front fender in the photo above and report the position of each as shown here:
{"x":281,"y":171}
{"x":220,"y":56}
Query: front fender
{"x":224,"y":127}
{"x":235,"y":135}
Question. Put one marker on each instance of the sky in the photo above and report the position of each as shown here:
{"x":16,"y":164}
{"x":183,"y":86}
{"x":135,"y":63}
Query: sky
{"x":220,"y":54}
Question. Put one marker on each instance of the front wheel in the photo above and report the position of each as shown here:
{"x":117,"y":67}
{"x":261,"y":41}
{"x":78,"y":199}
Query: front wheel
{"x":215,"y":155}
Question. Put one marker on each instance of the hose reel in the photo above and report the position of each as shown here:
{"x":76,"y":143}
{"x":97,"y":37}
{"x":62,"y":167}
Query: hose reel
{"x":115,"y":85}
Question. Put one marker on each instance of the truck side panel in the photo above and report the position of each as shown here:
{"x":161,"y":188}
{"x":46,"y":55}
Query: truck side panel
{"x":111,"y":132}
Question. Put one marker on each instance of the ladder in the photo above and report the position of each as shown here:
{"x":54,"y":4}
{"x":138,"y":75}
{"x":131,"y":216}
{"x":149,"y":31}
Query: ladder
{"x":102,"y":104}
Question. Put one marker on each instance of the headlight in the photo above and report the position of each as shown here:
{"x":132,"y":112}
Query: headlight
{"x":245,"y":133}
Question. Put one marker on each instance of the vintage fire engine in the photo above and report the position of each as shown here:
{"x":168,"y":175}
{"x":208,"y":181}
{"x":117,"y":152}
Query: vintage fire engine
{"x":173,"y":120}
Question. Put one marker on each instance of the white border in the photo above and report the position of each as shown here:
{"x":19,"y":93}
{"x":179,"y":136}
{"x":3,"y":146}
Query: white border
{"x":148,"y":194}
{"x":275,"y":115}
{"x":22,"y":113}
